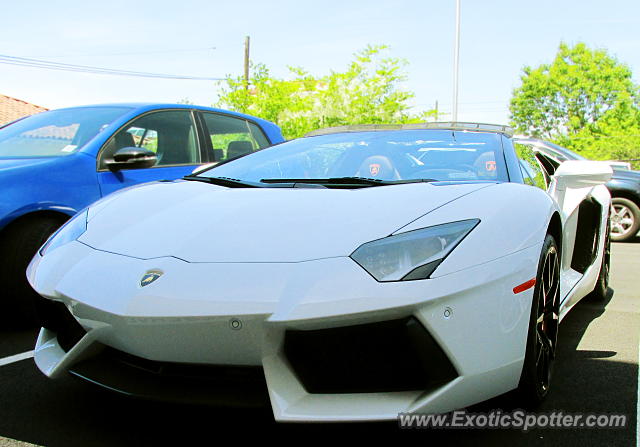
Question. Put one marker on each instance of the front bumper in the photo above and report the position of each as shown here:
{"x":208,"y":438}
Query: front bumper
{"x":246,"y":315}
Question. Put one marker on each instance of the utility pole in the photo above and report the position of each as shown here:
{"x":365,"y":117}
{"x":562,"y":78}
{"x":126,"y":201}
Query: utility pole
{"x":456,"y":63}
{"x":436,"y":109}
{"x":246,"y":62}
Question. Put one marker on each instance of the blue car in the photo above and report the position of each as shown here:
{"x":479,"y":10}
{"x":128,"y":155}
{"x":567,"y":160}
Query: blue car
{"x":55,"y":163}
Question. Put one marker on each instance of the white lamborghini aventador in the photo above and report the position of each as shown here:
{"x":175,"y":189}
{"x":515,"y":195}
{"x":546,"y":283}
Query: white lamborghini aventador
{"x":353,"y":274}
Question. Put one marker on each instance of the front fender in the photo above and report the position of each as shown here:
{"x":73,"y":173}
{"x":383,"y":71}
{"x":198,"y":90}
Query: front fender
{"x":512,"y":216}
{"x":36,"y":208}
{"x":63,"y":185}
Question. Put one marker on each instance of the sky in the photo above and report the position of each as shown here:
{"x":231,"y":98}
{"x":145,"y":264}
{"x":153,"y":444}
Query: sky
{"x":206,"y":39}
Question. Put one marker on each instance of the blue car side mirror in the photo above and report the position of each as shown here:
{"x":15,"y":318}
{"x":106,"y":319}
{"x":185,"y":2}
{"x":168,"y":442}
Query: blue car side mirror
{"x":132,"y":158}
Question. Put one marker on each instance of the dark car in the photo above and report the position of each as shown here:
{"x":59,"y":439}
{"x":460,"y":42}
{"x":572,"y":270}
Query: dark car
{"x":55,"y":163}
{"x":624,"y":187}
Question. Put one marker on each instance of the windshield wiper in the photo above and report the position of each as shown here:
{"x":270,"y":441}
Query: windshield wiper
{"x":224,"y":181}
{"x":291,"y":182}
{"x":364,"y":181}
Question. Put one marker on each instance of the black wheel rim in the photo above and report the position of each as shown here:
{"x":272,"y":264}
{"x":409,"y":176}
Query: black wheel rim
{"x":547,"y":319}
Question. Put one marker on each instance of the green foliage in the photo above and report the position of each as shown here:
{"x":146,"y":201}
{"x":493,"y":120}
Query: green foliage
{"x":534,"y":176}
{"x":585,"y":100}
{"x":616,"y":136}
{"x":366,"y":93}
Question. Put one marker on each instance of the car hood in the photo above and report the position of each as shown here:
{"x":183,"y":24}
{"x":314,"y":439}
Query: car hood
{"x":199,"y":222}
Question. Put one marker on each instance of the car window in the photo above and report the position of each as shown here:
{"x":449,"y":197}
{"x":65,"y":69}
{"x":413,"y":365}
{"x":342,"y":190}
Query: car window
{"x":532,"y":172}
{"x":386,"y":155}
{"x":56,"y":133}
{"x":170,"y":134}
{"x":232,"y":137}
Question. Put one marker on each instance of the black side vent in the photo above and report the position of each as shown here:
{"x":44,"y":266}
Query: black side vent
{"x":587,"y":231}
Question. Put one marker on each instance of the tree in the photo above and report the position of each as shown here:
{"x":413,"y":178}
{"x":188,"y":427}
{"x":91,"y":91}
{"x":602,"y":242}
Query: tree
{"x":585,"y":100}
{"x":367,"y":92}
{"x":572,"y":93}
{"x":616,"y":135}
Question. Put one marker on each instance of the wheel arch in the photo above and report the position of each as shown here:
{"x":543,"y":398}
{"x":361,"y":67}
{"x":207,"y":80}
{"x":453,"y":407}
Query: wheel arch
{"x":623,"y":194}
{"x":35,"y":215}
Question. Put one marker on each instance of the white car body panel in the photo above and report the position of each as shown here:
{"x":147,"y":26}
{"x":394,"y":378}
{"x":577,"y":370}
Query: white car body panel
{"x":208,"y":223}
{"x":500,"y":213}
{"x":574,"y":285}
{"x":328,"y":293}
{"x":274,"y":260}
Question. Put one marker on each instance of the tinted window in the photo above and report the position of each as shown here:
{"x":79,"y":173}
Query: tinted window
{"x":56,"y":133}
{"x":170,"y":134}
{"x":232,"y":137}
{"x":385,"y":155}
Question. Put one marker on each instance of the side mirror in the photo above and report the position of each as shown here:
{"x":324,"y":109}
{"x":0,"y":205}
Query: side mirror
{"x":582,"y":174}
{"x":132,"y":158}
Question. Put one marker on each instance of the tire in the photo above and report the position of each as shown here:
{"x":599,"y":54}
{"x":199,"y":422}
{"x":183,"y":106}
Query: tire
{"x":602,"y":285}
{"x":18,"y":244}
{"x":625,"y":220}
{"x":542,"y":336}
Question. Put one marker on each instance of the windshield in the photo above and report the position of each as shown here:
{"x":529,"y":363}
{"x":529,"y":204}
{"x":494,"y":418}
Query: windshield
{"x":381,"y":155}
{"x":55,"y":133}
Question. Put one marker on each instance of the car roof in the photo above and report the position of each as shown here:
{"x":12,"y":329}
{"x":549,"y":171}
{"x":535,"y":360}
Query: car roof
{"x":148,"y":106}
{"x":446,"y":125}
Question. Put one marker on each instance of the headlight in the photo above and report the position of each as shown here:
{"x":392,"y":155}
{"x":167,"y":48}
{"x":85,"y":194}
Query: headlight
{"x":411,"y":255}
{"x":69,"y":232}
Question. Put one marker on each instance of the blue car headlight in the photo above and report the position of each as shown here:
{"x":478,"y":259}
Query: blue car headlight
{"x":411,"y":255}
{"x":69,"y":232}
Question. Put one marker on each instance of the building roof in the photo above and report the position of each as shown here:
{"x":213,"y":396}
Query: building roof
{"x":11,"y":109}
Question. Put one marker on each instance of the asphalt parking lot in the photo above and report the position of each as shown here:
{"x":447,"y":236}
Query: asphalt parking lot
{"x":597,"y":371}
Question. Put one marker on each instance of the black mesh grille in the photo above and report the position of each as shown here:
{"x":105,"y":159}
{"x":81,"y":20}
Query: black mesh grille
{"x":398,"y":355}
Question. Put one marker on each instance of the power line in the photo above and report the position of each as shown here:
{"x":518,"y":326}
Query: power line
{"x":127,"y":53}
{"x":38,"y":63}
